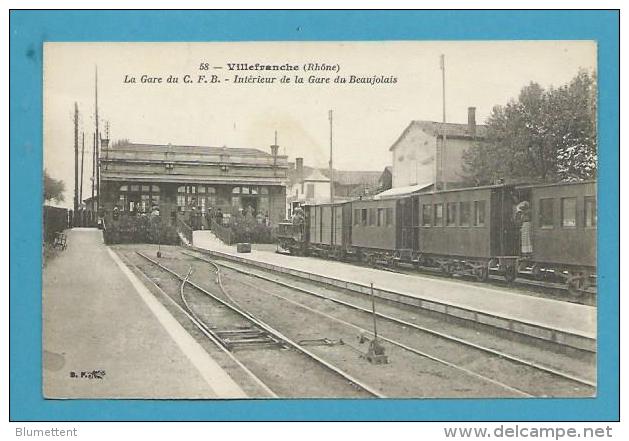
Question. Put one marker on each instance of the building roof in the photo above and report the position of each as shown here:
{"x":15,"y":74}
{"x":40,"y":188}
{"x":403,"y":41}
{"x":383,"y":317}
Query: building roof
{"x":403,"y":191}
{"x":184,"y":149}
{"x":437,"y":129}
{"x":355,"y":177}
{"x":143,"y":153}
{"x":316,"y":175}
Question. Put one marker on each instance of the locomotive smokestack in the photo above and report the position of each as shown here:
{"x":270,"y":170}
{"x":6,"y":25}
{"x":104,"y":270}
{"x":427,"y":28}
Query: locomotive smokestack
{"x":471,"y":120}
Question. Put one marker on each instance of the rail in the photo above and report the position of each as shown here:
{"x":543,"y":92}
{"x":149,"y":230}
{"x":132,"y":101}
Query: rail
{"x":185,"y":230}
{"x":264,"y":326}
{"x":224,"y":233}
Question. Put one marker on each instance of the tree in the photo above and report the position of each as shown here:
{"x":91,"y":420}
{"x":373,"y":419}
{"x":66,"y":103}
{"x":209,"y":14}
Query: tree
{"x":544,"y":136}
{"x":53,"y":188}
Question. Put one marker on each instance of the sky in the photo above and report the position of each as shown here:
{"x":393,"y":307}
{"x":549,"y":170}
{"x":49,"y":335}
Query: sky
{"x":367,"y":118}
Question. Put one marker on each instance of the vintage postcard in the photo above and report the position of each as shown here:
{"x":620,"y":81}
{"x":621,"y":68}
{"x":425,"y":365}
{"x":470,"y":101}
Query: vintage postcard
{"x":262,"y":220}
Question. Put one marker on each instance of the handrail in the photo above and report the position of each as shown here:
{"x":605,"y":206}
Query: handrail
{"x":222,"y":232}
{"x":184,"y":229}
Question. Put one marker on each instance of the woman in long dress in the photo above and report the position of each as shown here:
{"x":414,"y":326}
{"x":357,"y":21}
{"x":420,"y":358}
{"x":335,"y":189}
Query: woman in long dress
{"x":524,"y":217}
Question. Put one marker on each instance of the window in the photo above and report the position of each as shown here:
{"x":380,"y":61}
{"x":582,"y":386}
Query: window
{"x":590,"y":211}
{"x":310,"y":190}
{"x":546,"y":213}
{"x":479,"y":213}
{"x":372,"y":216}
{"x":451,"y":214}
{"x":264,"y":190}
{"x":138,"y":197}
{"x":426,"y":215}
{"x":464,"y":214}
{"x":389,"y":216}
{"x":181,"y":202}
{"x":201,"y":189}
{"x":438,"y":218}
{"x":568,"y":212}
{"x":380,"y":217}
{"x":363,"y":216}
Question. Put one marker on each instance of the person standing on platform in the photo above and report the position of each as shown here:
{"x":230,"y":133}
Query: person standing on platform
{"x":523,"y":217}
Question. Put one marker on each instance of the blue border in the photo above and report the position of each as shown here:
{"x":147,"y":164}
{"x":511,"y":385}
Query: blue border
{"x":29,"y":29}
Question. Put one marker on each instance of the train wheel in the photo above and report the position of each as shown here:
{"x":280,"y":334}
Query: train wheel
{"x":510,"y":273}
{"x":447,"y":269}
{"x":576,"y":283}
{"x":482,"y":273}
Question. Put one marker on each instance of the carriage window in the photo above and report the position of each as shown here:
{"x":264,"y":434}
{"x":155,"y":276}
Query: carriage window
{"x":479,"y":213}
{"x":389,"y":216}
{"x":438,"y":219}
{"x":155,"y":188}
{"x":546,"y":208}
{"x":363,"y":216}
{"x":372,"y":216}
{"x":426,"y":215}
{"x":464,"y":214}
{"x":590,"y":211}
{"x":569,"y":212}
{"x":380,"y":217}
{"x":451,"y":214}
{"x":135,"y":188}
{"x":123,"y":188}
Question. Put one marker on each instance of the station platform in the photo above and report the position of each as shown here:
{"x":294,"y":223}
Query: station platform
{"x":565,"y":323}
{"x":100,"y":321}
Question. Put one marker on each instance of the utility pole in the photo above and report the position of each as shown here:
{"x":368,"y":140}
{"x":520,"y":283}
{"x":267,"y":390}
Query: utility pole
{"x":331,"y":166}
{"x":444,"y":130}
{"x":76,"y":163}
{"x":96,"y":152}
{"x":82,"y":156}
{"x":93,"y":178}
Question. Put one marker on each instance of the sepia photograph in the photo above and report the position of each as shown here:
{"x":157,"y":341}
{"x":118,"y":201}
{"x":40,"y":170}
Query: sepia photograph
{"x":309,"y":219}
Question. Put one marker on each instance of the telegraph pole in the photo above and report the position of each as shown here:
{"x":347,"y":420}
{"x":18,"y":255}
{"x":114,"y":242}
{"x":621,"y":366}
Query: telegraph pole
{"x":331,"y":166}
{"x":93,"y":178}
{"x":76,"y":163}
{"x":96,"y":153}
{"x":82,"y":156}
{"x":443,"y":136}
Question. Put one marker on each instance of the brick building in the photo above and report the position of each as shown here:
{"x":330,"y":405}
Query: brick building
{"x":180,"y":179}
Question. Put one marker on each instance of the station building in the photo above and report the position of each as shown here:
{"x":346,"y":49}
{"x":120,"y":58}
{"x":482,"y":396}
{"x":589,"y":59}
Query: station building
{"x":180,"y":179}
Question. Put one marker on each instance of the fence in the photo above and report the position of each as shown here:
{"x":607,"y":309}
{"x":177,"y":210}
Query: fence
{"x":55,"y":220}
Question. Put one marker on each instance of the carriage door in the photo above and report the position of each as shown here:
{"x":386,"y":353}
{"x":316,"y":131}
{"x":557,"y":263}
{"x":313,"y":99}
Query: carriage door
{"x":505,"y":234}
{"x":405,"y":224}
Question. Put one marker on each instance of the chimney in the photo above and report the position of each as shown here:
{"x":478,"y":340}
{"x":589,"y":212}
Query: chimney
{"x":299,"y":167}
{"x":471,"y":120}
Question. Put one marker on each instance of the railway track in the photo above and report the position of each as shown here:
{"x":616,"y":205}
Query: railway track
{"x":254,"y":345}
{"x":569,"y":381}
{"x":524,"y":285}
